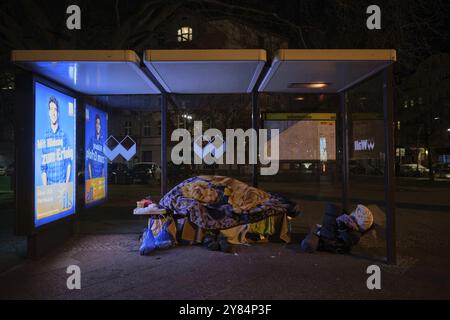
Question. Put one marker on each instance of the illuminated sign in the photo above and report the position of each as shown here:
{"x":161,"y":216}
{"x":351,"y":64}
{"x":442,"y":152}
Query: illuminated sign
{"x":274,"y":116}
{"x":304,"y":136}
{"x":364,"y":145}
{"x":367,"y":136}
{"x":96,"y":162}
{"x":54,"y":157}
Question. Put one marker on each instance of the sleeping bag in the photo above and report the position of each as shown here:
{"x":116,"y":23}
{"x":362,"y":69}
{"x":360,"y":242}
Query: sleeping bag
{"x":217,"y":202}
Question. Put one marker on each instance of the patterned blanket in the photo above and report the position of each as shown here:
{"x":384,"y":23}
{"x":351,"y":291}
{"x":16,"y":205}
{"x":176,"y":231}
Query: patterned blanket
{"x":217,"y":203}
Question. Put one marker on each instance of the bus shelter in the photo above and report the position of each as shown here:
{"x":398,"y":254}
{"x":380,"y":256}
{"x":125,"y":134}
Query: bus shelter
{"x":79,"y":75}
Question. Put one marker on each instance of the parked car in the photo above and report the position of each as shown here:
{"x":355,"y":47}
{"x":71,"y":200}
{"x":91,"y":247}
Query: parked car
{"x":11,"y":169}
{"x":144,"y":172}
{"x":362,"y":168}
{"x":119,"y":173}
{"x":413,"y":170}
{"x":442,"y":170}
{"x":4,"y":160}
{"x":302,"y":167}
{"x":3,"y":168}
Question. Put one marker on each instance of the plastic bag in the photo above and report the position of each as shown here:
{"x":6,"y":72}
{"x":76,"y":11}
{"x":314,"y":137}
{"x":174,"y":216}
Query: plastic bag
{"x":163,"y":239}
{"x":148,"y":242}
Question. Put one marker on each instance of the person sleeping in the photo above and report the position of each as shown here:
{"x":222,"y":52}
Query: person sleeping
{"x":339,"y":233}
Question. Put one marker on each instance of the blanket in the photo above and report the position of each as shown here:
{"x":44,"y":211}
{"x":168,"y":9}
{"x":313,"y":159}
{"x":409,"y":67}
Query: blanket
{"x":218,"y":203}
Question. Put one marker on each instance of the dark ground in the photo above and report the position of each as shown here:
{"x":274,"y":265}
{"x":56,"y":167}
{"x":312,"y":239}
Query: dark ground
{"x":106,"y":249}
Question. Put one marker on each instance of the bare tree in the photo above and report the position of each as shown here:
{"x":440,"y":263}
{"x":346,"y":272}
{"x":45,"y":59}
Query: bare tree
{"x":427,"y":95}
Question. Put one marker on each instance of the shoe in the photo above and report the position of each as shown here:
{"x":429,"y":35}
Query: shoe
{"x":226,"y":247}
{"x":310,"y":243}
{"x":213,"y":246}
{"x":208,"y":239}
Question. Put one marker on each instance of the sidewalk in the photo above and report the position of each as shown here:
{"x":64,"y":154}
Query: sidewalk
{"x":12,"y":248}
{"x":111,"y":267}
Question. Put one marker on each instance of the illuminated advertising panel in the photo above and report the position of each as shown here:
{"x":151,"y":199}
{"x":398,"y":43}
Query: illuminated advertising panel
{"x":55,"y":160}
{"x":304,"y":136}
{"x":367,"y":136}
{"x":96,"y":163}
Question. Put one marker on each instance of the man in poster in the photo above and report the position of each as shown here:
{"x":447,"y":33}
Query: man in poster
{"x":96,"y":165}
{"x":96,"y":161}
{"x":57,"y":153}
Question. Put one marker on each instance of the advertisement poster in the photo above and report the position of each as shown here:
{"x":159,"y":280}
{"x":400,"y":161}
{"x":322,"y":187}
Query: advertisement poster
{"x":311,"y":137}
{"x":55,"y":161}
{"x":96,"y":162}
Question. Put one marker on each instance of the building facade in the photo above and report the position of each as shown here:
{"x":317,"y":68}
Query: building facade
{"x":141,"y":120}
{"x":423,"y":113}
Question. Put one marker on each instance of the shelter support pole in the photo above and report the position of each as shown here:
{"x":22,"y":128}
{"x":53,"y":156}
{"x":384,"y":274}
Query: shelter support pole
{"x":389,"y":167}
{"x":163,"y":144}
{"x":345,"y":148}
{"x":255,"y":126}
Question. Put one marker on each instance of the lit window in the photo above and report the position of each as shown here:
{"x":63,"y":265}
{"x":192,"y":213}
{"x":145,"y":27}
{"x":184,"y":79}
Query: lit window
{"x":398,"y":125}
{"x":184,"y":34}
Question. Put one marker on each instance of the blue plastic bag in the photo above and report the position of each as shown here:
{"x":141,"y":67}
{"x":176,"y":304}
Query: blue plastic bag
{"x":164,"y":240}
{"x":148,"y":242}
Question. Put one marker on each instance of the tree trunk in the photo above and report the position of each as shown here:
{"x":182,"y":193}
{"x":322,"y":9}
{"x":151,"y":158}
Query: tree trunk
{"x":429,"y":159}
{"x":428,"y":132}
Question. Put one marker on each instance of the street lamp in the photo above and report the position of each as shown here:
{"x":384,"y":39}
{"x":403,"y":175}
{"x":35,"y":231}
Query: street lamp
{"x":186,"y":117}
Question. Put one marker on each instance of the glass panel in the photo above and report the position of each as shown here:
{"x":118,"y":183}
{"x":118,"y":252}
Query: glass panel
{"x":219,"y":112}
{"x":139,"y":176}
{"x":310,"y":152}
{"x":366,"y":160}
{"x":366,"y":142}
